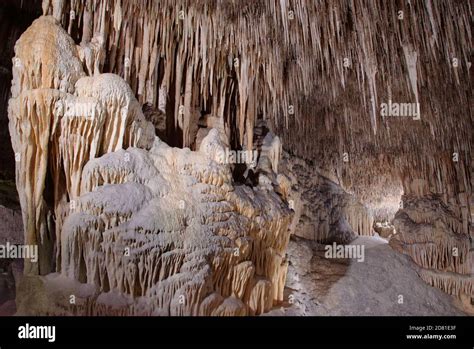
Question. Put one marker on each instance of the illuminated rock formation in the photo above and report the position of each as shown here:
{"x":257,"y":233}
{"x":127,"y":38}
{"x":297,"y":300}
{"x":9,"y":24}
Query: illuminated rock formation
{"x":160,"y":224}
{"x":170,"y":223}
{"x":60,"y":119}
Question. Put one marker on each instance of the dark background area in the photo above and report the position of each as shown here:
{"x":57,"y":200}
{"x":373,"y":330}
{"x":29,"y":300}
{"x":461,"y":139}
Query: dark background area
{"x":15,"y":17}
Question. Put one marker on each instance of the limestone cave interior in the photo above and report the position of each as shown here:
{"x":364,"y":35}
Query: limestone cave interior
{"x":236,"y":158}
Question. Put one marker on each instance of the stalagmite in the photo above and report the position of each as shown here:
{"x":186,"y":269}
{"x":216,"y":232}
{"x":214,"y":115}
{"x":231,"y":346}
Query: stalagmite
{"x":92,"y":55}
{"x":46,"y":68}
{"x":46,"y":119}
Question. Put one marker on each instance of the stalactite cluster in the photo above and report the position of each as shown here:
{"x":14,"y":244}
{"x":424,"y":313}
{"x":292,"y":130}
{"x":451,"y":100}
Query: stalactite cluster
{"x":314,"y":70}
{"x":309,"y":41}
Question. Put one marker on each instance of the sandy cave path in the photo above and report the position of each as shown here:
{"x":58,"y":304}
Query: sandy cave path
{"x":385,"y":283}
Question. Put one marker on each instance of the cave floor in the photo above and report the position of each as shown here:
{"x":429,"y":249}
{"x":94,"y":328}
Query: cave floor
{"x":385,"y":283}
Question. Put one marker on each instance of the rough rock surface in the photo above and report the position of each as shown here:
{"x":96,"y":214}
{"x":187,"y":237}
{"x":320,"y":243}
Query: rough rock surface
{"x":11,"y":227}
{"x":11,"y":233}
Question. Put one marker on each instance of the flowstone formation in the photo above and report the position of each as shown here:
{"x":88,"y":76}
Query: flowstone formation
{"x":169,"y":225}
{"x":435,"y":237}
{"x":59,"y":119}
{"x":157,"y":225}
{"x":435,"y":225}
